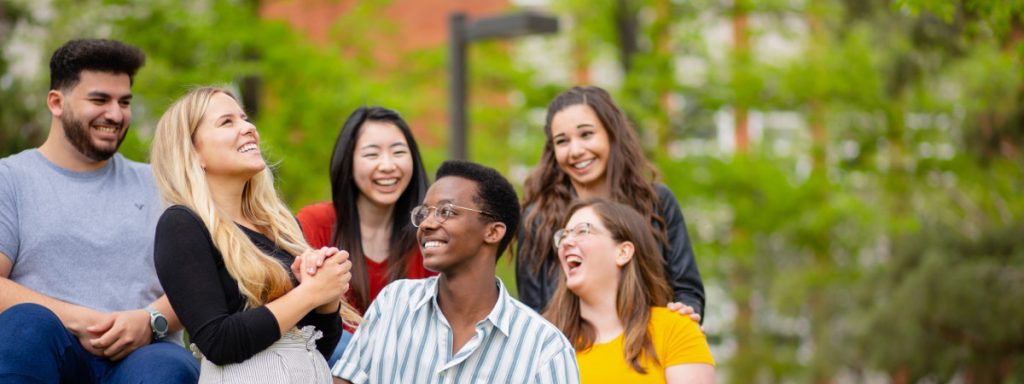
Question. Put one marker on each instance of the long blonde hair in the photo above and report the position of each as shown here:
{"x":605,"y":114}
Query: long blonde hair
{"x":182,"y":180}
{"x":642,"y":285}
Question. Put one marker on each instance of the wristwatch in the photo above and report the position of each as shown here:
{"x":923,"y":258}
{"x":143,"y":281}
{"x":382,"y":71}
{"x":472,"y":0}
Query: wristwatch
{"x":158,"y":323}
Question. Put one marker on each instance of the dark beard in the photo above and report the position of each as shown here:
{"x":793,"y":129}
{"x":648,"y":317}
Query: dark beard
{"x":77,"y":132}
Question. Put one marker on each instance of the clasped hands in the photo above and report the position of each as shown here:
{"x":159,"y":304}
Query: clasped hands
{"x":328,"y":271}
{"x":112,"y":335}
{"x":117,"y":334}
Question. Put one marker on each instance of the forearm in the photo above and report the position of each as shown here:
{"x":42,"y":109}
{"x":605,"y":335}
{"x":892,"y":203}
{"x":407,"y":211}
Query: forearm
{"x":74,"y":317}
{"x":683,"y":273}
{"x":291,"y":307}
{"x":328,"y":323}
{"x":332,"y":307}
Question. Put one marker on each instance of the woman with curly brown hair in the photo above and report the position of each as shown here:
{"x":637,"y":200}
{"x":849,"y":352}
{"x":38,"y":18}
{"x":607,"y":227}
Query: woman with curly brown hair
{"x":593,"y":151}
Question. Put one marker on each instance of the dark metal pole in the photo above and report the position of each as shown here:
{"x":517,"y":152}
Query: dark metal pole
{"x":251,"y":85}
{"x":457,"y":85}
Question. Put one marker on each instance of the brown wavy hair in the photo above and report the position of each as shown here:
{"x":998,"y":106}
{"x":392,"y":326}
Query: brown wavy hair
{"x":549,"y":191}
{"x":642,"y":285}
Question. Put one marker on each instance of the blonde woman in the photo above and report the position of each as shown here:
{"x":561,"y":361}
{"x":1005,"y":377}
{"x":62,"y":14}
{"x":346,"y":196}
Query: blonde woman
{"x":254,"y":298}
{"x":608,"y":301}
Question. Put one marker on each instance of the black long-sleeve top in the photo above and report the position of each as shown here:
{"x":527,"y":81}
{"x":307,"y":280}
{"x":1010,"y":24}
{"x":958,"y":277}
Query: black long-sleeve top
{"x":207,"y":300}
{"x":535,"y":289}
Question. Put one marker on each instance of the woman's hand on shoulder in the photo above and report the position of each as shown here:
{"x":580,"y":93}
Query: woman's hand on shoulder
{"x":685,"y":310}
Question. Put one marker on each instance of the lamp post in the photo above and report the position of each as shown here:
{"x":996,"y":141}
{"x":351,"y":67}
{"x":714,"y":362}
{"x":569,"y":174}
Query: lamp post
{"x":462,"y":33}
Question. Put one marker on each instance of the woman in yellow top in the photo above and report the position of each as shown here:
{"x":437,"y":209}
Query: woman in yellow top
{"x":609,"y":297}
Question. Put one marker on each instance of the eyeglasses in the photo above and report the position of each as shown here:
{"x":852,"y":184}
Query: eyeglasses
{"x":441,"y":213}
{"x":581,"y":229}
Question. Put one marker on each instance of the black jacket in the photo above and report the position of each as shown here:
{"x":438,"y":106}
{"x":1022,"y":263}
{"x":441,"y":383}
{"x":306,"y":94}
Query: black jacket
{"x":535,"y":289}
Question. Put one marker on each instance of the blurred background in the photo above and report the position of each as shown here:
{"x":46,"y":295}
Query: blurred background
{"x":850,"y":170}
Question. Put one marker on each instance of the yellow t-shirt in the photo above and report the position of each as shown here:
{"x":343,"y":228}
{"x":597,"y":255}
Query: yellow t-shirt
{"x":677,"y":340}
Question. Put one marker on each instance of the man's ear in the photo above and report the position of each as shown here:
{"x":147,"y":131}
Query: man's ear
{"x":495,"y":231}
{"x":55,"y":102}
{"x":625,"y":253}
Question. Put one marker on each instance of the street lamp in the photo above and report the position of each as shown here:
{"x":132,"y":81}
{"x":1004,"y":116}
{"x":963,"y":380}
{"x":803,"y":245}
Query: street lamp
{"x":462,"y":33}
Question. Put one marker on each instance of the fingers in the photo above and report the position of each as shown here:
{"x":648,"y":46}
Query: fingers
{"x":101,"y":327}
{"x":346,"y":276}
{"x":680,"y":308}
{"x":129,"y":331}
{"x":684,"y":310}
{"x":342,"y":255}
{"x":107,"y":339}
{"x":346,"y":266}
{"x":329,"y":251}
{"x":334,"y":274}
{"x":338,"y":270}
{"x":311,"y":260}
{"x":120,"y":348}
{"x":296,"y":268}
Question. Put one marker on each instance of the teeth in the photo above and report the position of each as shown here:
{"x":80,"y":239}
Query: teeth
{"x":248,"y":147}
{"x":433,"y":244}
{"x":583,"y":164}
{"x":573,"y":261}
{"x":106,"y":129}
{"x":386,"y":182}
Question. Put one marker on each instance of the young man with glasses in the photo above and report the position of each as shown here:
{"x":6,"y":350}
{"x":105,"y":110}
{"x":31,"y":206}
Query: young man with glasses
{"x":460,"y":326}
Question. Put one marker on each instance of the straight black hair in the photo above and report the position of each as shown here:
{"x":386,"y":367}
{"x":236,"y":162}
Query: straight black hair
{"x":344,"y":192}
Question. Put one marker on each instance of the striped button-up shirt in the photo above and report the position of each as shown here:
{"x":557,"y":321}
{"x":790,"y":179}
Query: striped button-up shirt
{"x":406,"y":339}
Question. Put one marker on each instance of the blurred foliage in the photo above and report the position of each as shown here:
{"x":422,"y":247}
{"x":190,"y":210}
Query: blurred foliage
{"x":870,"y":233}
{"x":885,"y":243}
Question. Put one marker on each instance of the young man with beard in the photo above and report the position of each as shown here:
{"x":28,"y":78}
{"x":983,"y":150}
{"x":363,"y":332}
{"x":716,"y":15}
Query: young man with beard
{"x":461,"y":326}
{"x":79,"y":296}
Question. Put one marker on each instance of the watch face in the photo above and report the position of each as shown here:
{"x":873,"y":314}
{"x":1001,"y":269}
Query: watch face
{"x":160,"y":324}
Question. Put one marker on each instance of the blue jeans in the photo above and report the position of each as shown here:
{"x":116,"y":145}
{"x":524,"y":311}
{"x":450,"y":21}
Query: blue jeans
{"x":36,"y":348}
{"x":346,"y":337}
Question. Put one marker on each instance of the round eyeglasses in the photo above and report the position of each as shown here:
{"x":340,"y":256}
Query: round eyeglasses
{"x":440,"y":212}
{"x":581,"y":229}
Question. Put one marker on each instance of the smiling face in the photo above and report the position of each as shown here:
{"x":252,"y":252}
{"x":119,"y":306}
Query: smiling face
{"x":592,"y":261}
{"x":457,"y":241}
{"x":581,"y":145}
{"x":227,"y":143}
{"x":96,"y":112}
{"x":382,"y":166}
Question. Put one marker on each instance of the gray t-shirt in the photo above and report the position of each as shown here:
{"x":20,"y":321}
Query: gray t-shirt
{"x":83,"y":238}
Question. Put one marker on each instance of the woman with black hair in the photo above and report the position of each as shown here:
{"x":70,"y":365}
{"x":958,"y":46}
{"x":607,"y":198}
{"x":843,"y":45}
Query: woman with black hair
{"x":377,"y":177}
